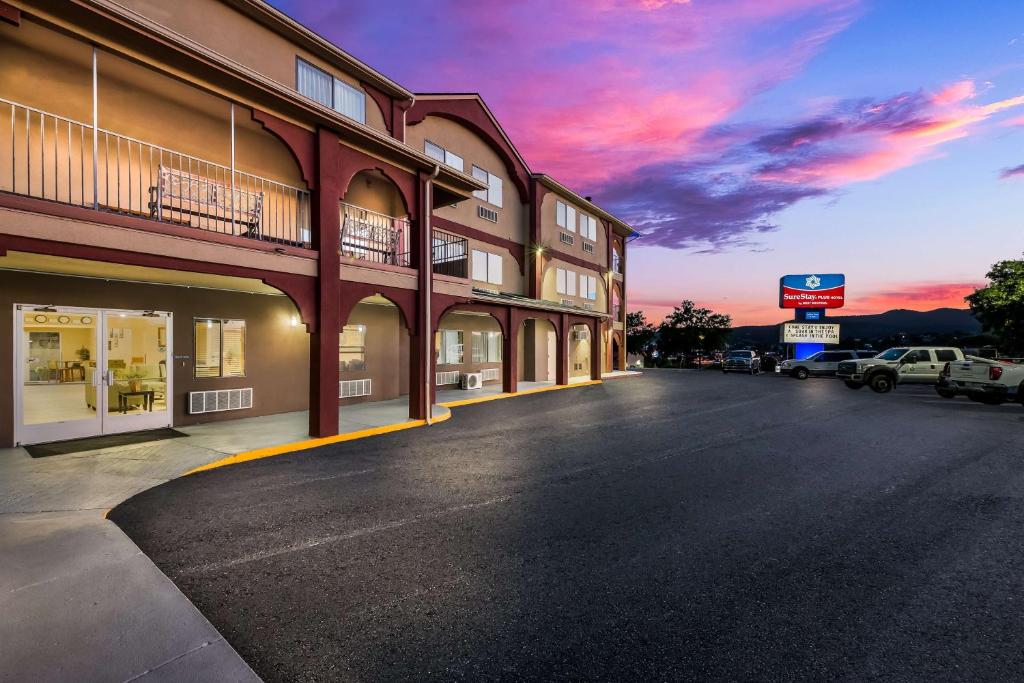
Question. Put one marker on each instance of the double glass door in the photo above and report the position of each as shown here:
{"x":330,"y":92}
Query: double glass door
{"x":85,"y":372}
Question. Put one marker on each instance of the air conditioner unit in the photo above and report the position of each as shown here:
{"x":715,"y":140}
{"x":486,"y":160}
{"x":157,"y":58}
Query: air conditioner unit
{"x":472,"y":380}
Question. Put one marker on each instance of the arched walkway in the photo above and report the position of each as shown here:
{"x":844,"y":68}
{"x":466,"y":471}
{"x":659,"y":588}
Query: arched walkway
{"x":537,"y":342}
{"x":469,"y":343}
{"x":374,"y":355}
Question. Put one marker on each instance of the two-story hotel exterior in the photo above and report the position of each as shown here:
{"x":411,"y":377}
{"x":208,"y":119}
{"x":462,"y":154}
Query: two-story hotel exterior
{"x":208,"y":212}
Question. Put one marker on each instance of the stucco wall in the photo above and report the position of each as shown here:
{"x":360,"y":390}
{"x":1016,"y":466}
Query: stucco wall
{"x":469,"y":323}
{"x":550,"y":230}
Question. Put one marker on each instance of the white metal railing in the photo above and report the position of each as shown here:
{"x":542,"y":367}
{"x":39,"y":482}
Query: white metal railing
{"x":59,"y":159}
{"x":374,"y":236}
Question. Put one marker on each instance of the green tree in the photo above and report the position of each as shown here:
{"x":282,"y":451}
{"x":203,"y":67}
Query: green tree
{"x":639,"y":335}
{"x":689,"y":327}
{"x":1000,"y":306}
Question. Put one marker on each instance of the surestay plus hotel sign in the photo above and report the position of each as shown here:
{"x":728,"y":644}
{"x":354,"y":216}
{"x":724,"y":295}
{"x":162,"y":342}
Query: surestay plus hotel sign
{"x":809,"y":296}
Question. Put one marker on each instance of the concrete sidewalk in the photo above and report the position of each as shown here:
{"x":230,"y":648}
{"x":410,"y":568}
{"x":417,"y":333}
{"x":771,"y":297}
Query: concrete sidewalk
{"x":80,"y":602}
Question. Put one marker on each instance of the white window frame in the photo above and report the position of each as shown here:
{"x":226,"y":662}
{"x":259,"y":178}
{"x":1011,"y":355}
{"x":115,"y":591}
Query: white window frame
{"x":487,"y":267}
{"x":342,"y":97}
{"x":447,"y":157}
{"x":588,"y":287}
{"x":487,"y":347}
{"x":588,"y":227}
{"x":565,"y":216}
{"x":565,"y":281}
{"x":493,"y":195}
{"x":450,"y":347}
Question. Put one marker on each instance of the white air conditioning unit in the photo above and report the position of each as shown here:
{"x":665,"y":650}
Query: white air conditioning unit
{"x":472,"y":380}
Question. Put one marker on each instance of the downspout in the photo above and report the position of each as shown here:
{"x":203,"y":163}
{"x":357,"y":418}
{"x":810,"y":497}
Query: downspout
{"x":428,"y":338}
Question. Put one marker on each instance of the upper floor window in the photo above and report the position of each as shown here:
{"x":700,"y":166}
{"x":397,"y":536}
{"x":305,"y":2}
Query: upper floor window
{"x":565,"y":282}
{"x":588,"y":227}
{"x":588,"y":287}
{"x":486,"y":267}
{"x":565,"y":216}
{"x":492,"y":195}
{"x":219,"y":348}
{"x":322,"y":87}
{"x":445,"y":156}
{"x":616,"y":261}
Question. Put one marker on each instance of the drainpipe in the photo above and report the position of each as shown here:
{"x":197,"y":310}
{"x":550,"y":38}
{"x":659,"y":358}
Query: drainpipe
{"x":428,"y":200}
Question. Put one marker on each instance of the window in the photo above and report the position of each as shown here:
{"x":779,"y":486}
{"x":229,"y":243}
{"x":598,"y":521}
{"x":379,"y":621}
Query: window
{"x":616,"y":261}
{"x":486,"y":267}
{"x":448,"y":344}
{"x":322,"y":87}
{"x":492,"y":195}
{"x":566,"y":282}
{"x":446,"y":157}
{"x":487,"y":347}
{"x":588,"y":227}
{"x":219,"y":348}
{"x":565,"y":216}
{"x":945,"y":355}
{"x":352,"y":348}
{"x":588,"y":287}
{"x":350,"y":101}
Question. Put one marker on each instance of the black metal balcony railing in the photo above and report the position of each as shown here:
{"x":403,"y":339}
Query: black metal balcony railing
{"x":374,"y":237}
{"x":58,"y":159}
{"x":451,"y":254}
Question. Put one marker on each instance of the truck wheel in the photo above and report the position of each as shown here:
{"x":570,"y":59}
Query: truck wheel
{"x":881,"y":383}
{"x":801,"y":373}
{"x":850,"y":384}
{"x":945,"y":393}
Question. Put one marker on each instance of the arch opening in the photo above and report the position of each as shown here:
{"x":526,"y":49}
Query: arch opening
{"x":469,"y":352}
{"x":374,"y":358}
{"x":537,"y":340}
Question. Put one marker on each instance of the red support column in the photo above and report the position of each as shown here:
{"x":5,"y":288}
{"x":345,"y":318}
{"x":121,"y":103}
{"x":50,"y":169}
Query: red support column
{"x":421,"y":356}
{"x":510,"y":354}
{"x":595,"y":349}
{"x":323,"y":352}
{"x":562,"y":356}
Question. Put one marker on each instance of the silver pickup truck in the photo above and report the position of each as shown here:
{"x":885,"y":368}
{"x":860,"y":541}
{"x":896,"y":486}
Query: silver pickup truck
{"x":901,"y":365}
{"x":984,"y":380}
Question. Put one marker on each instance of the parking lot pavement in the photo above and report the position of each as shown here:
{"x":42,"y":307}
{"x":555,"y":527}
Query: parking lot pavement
{"x":682,"y":525}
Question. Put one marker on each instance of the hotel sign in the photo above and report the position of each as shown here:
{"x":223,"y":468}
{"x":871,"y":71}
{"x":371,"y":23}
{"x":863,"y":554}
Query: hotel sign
{"x":809,"y":333}
{"x":812,"y":291}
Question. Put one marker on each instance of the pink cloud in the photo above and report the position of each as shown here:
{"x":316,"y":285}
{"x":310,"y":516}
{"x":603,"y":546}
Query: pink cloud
{"x":923,"y":296}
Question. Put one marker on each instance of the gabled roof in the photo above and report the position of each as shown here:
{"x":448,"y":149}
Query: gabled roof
{"x":547,"y":181}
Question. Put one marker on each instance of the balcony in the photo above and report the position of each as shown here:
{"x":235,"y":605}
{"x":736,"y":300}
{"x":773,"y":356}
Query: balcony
{"x":374,"y":237}
{"x":451,"y":254}
{"x":50,"y":157}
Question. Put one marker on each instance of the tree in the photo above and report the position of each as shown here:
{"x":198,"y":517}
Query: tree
{"x":1000,"y":306}
{"x":639,"y":335}
{"x":688,"y":327}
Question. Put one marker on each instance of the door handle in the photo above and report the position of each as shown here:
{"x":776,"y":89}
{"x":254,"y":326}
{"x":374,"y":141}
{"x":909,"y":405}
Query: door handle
{"x":110,"y":378}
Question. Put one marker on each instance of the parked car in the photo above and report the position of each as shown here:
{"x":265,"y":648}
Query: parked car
{"x":741,"y":361}
{"x":900,"y":365}
{"x":982,"y":379}
{"x":823,"y":363}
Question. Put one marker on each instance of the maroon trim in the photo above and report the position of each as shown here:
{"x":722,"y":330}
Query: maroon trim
{"x":496,"y":311}
{"x":471,"y":114}
{"x":552,"y":253}
{"x":391,"y":112}
{"x":537,"y":194}
{"x":10,"y":14}
{"x":298,"y":288}
{"x":323,"y":346}
{"x":88,"y":215}
{"x":354,"y":292}
{"x":299,"y":141}
{"x":352,"y":161}
{"x":398,"y":109}
{"x":517,"y":250}
{"x":595,"y":341}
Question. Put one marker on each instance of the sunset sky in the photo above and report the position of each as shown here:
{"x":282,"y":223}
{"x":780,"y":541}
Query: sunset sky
{"x":746,"y":138}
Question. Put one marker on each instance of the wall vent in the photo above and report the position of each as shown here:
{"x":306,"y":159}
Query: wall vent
{"x":487,"y":214}
{"x":491,"y":373}
{"x":568,"y":302}
{"x":588,"y":307}
{"x":350,"y":388}
{"x":218,"y":401}
{"x":588,"y":247}
{"x":566,"y":238}
{"x":451,"y":377}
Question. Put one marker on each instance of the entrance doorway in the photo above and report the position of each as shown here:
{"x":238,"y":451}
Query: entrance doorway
{"x":88,"y":371}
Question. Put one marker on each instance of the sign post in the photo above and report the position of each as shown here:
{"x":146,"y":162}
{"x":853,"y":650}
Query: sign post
{"x":810,"y":296}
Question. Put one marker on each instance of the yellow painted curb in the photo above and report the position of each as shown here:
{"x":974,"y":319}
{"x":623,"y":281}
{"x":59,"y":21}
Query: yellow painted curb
{"x":538,"y":390}
{"x":271,"y":451}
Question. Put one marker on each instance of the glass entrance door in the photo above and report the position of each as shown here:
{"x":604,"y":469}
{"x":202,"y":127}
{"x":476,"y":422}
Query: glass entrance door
{"x":136,"y":362}
{"x":84,"y":372}
{"x":58,"y":353}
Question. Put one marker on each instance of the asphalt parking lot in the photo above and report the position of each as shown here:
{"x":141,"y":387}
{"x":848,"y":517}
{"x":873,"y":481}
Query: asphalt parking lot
{"x":679,"y":526}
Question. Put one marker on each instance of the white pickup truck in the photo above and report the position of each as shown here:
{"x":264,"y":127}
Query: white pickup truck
{"x":902,"y":365}
{"x":980,"y":379}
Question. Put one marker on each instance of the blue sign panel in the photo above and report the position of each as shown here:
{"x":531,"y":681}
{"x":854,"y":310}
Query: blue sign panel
{"x":812,"y":315}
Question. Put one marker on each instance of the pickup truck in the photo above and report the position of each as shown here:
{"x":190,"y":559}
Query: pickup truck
{"x":901,"y":365}
{"x":982,"y":379}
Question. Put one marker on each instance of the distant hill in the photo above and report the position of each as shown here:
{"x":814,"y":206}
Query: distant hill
{"x":899,"y":321}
